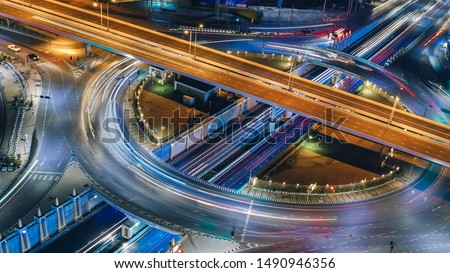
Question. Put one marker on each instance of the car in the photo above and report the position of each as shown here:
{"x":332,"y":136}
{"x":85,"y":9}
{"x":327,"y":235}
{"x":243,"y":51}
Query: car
{"x":33,"y":57}
{"x":14,"y":48}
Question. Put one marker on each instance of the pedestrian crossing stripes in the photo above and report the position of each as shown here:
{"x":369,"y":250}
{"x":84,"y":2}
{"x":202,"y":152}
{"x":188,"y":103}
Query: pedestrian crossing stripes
{"x":78,"y":72}
{"x":45,"y":177}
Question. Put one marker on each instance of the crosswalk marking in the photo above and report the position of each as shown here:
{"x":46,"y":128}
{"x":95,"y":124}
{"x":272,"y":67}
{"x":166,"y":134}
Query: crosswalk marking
{"x":40,"y":172}
{"x":45,"y":177}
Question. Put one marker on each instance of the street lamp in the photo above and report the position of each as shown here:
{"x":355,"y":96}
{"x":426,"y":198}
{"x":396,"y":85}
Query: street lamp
{"x":310,"y":189}
{"x":101,"y":12}
{"x":190,"y":39}
{"x":428,"y":107}
{"x":290,"y":77}
{"x":397,"y":99}
{"x":195,"y":40}
{"x":263,"y":44}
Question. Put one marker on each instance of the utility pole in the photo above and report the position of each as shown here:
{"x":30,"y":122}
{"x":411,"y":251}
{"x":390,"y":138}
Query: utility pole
{"x":217,"y":9}
{"x":324,"y":5}
{"x":292,"y":13}
{"x":280,"y":4}
{"x":428,"y":107}
{"x":349,"y":9}
{"x":397,"y":99}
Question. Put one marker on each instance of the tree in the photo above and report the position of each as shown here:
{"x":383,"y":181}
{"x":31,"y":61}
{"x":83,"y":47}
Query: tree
{"x":17,"y":162}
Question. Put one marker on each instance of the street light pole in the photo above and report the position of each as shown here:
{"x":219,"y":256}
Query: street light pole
{"x":428,"y":107}
{"x":195,"y":40}
{"x":190,"y":39}
{"x":101,"y":11}
{"x":397,"y":99}
{"x":195,"y":44}
{"x":107,"y":15}
{"x":290,"y":77}
{"x":101,"y":14}
{"x":263,"y":46}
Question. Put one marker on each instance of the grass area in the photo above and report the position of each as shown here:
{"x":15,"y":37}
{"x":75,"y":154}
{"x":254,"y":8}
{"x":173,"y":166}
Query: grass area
{"x":165,"y":116}
{"x":327,"y":160}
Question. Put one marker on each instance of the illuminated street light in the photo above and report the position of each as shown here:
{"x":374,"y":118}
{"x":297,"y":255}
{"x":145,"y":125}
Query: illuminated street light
{"x":397,"y":99}
{"x":310,"y":189}
{"x":195,"y":40}
{"x":101,"y":12}
{"x":255,"y":180}
{"x":290,"y":79}
{"x":190,"y":39}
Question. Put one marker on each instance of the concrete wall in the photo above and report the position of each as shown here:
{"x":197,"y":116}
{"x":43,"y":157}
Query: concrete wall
{"x":29,"y":236}
{"x":203,"y":131}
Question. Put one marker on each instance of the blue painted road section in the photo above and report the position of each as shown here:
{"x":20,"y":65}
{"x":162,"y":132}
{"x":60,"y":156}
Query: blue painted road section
{"x":104,"y":222}
{"x":152,"y":241}
{"x":83,"y":231}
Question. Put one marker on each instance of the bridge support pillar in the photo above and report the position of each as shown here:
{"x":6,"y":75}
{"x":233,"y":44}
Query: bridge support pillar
{"x":273,"y":111}
{"x":60,"y":216}
{"x":24,"y":238}
{"x":77,"y":213}
{"x":272,"y":120}
{"x":130,"y":227}
{"x":43,"y":227}
{"x":336,"y":76}
{"x":90,"y":201}
{"x":272,"y":126}
{"x":87,"y":49}
{"x":8,"y":22}
{"x":382,"y":149}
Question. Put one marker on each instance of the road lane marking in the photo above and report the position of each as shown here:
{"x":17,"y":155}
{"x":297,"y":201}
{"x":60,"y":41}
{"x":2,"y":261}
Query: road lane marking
{"x":246,"y":220}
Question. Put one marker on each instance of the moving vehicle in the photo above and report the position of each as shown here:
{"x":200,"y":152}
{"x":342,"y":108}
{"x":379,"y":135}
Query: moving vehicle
{"x":14,"y":48}
{"x":33,"y":57}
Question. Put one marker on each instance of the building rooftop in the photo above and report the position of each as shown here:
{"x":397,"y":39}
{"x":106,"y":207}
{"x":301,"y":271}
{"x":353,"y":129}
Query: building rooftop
{"x":195,"y":83}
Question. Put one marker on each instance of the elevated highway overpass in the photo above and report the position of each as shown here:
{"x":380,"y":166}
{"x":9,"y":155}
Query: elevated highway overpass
{"x":356,"y":115}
